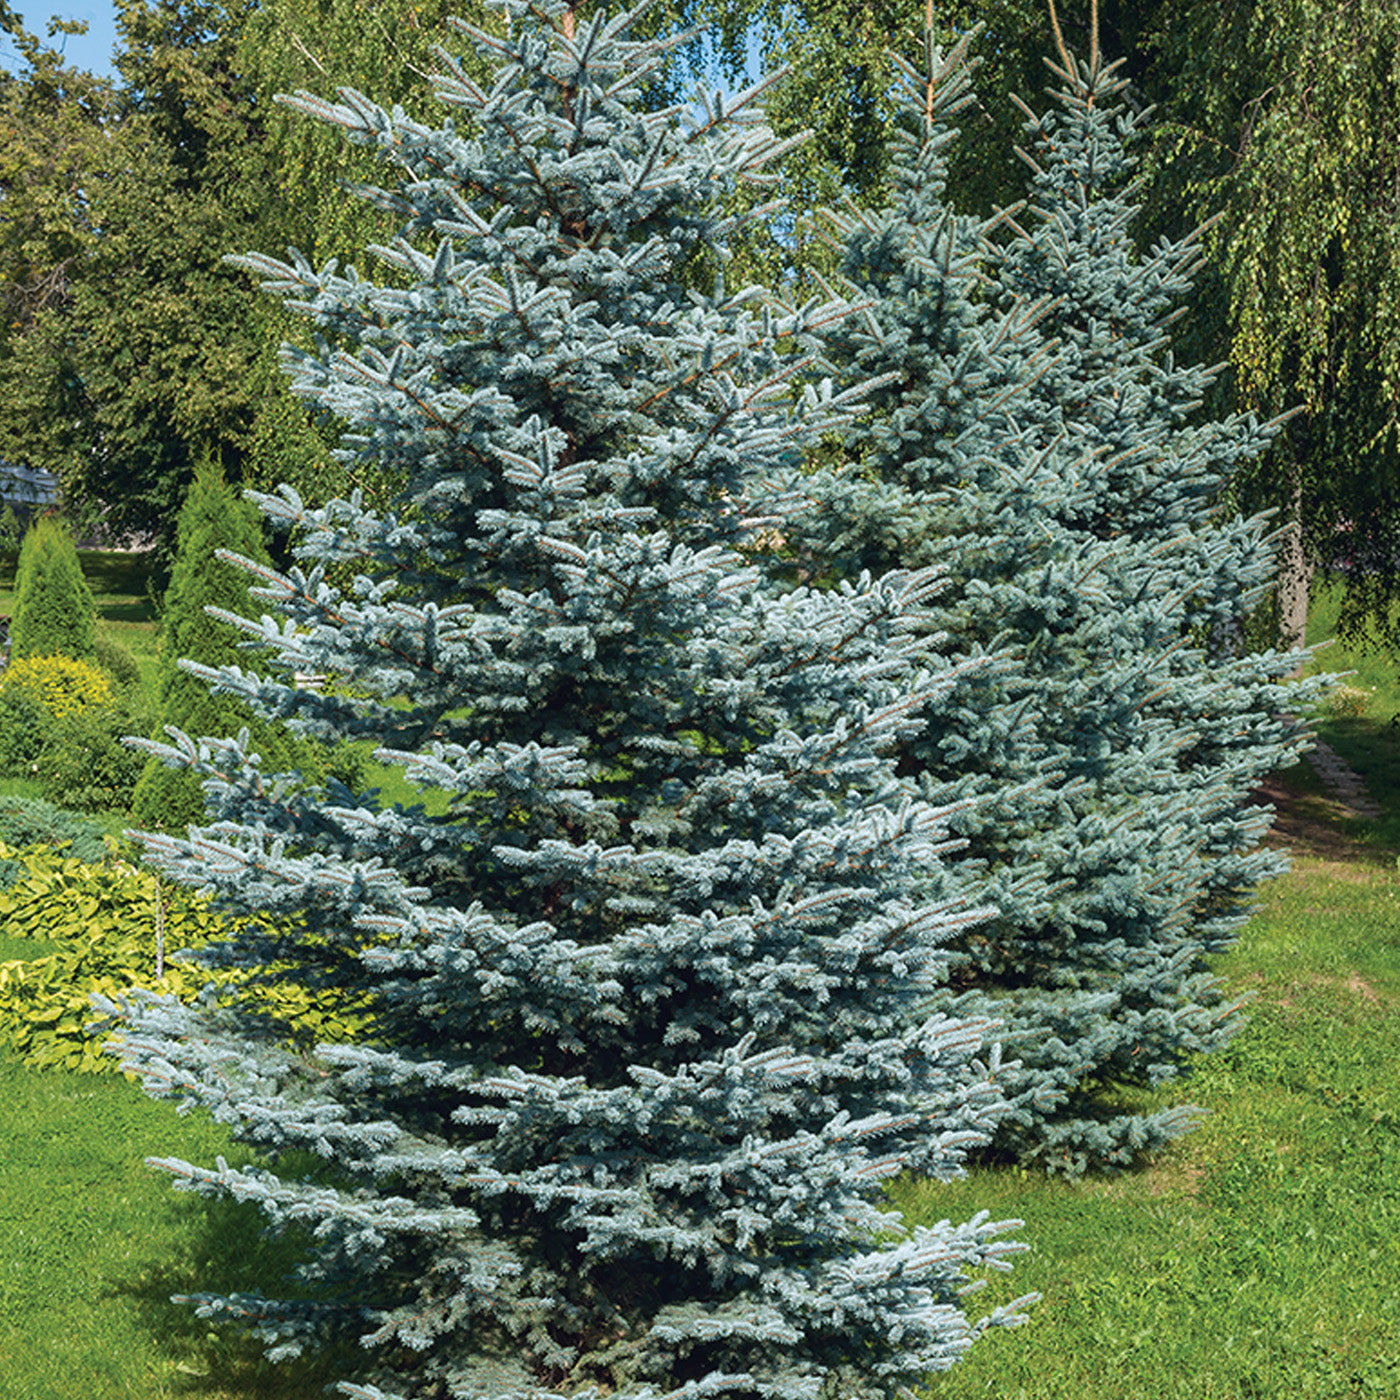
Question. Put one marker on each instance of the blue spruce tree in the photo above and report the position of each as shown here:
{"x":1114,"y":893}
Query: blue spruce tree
{"x":1160,"y":472}
{"x":1122,"y":849}
{"x":645,"y":974}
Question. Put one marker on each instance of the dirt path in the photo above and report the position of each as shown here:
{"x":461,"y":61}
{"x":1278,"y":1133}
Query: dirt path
{"x":1343,"y":783}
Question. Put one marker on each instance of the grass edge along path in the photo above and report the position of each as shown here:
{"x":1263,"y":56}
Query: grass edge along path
{"x":1258,"y":1256}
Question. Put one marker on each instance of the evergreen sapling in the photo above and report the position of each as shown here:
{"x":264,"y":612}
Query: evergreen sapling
{"x":54,"y":610}
{"x":647,"y":993}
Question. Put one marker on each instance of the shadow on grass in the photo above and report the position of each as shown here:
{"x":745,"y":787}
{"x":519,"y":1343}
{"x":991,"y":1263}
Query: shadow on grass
{"x":118,"y":570}
{"x":121,"y":582}
{"x":135,"y":610}
{"x":1371,"y":745}
{"x":229,"y":1252}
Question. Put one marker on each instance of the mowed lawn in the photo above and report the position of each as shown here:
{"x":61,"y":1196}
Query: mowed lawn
{"x":93,"y":1243}
{"x":1258,"y":1257}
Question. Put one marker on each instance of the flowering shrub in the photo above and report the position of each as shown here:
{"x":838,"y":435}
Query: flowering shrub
{"x":1346,"y":702}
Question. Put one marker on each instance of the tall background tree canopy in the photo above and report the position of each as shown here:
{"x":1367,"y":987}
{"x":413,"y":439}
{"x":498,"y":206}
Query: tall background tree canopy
{"x":127,"y":344}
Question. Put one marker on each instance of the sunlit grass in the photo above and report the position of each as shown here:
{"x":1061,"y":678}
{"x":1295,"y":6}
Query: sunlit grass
{"x":1257,"y":1258}
{"x":93,"y":1243}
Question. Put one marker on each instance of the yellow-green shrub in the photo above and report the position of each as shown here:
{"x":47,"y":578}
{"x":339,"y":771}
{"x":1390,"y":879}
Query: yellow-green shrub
{"x":62,"y":685}
{"x":105,"y":917}
{"x":1346,"y":702}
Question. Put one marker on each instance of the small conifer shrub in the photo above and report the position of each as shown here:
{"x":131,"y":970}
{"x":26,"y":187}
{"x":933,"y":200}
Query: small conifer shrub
{"x":214,"y":518}
{"x":117,"y":661}
{"x":62,"y":722}
{"x":11,"y":534}
{"x":54,"y":609}
{"x":29,"y":821}
{"x":60,"y":685}
{"x":646,"y":1022}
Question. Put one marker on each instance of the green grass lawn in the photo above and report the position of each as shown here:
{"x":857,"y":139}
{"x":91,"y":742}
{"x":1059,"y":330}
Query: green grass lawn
{"x":1256,"y":1259}
{"x":93,"y":1244}
{"x":1370,"y":741}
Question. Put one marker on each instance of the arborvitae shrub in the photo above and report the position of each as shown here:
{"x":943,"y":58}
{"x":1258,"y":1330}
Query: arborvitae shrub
{"x":54,"y":611}
{"x":116,"y":661}
{"x":86,"y":765}
{"x":11,"y":535}
{"x":213,"y":518}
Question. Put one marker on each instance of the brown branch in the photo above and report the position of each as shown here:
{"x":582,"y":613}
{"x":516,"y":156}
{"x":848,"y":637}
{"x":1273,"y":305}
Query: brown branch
{"x":1060,"y":39}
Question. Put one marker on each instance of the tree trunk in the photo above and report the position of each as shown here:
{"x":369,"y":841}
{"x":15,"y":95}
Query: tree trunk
{"x":1294,"y":574}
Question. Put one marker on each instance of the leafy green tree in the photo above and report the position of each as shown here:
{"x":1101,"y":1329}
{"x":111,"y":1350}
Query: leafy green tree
{"x":11,"y":533}
{"x":320,"y":46}
{"x":213,"y":518}
{"x":54,"y":610}
{"x":53,"y":149}
{"x":148,"y":353}
{"x":1285,"y":121}
{"x":645,"y":1002}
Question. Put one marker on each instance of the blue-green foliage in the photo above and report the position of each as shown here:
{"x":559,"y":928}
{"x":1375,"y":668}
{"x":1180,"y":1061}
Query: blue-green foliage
{"x":648,"y":1006}
{"x":1036,"y":438}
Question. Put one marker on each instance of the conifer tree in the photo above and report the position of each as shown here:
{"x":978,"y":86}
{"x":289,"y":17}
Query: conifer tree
{"x":1158,"y":470}
{"x":213,"y":518}
{"x":11,"y":535}
{"x":646,"y":1021}
{"x":54,"y":610}
{"x":1121,"y":850}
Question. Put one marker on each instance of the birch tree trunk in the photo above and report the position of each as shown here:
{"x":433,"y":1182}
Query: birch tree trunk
{"x":1295,"y":572}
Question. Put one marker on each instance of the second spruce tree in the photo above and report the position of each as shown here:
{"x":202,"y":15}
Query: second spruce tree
{"x":1117,"y":754}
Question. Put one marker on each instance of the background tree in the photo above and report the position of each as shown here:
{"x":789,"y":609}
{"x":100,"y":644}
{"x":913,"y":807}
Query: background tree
{"x":54,"y":610}
{"x":53,"y":123}
{"x":213,"y":518}
{"x":646,"y":997}
{"x":148,"y":352}
{"x":1277,"y":117}
{"x":1285,"y":119}
{"x":284,"y":46}
{"x":1033,"y":436}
